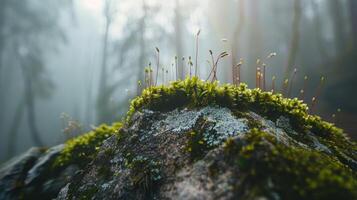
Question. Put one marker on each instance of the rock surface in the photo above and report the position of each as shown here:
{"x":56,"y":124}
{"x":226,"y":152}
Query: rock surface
{"x":29,"y":176}
{"x":210,"y":152}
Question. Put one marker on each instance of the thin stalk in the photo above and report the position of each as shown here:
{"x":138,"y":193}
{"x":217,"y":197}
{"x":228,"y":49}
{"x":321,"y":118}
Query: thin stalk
{"x":317,"y":94}
{"x":150,"y":75}
{"x":291,"y":82}
{"x":212,"y":65}
{"x":190,"y":65}
{"x":158,"y":64}
{"x":196,"y":61}
{"x":303,"y":90}
{"x":264,"y":81}
{"x":273,"y":84}
{"x":238,"y":71}
{"x":285,"y":86}
{"x":176,"y":67}
{"x":183,"y":66}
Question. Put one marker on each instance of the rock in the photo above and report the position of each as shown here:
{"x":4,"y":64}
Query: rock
{"x":14,"y":172}
{"x":30,"y":175}
{"x":41,"y":168}
{"x":195,"y":140}
{"x":152,"y":158}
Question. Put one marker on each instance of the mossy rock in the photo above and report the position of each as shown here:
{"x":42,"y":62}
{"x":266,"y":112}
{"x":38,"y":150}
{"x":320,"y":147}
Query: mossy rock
{"x":82,"y":149}
{"x":200,"y":140}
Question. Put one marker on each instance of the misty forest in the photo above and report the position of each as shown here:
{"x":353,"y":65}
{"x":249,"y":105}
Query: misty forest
{"x":205,"y":75}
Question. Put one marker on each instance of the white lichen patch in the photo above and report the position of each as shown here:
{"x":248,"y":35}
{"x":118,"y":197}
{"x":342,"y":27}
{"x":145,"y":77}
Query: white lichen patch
{"x":275,"y":129}
{"x":317,"y":145}
{"x":181,"y":120}
{"x":220,"y":122}
{"x":225,"y":122}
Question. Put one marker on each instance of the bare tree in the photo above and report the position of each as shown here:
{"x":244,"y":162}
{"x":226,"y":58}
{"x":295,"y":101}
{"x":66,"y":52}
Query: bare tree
{"x":255,"y":33}
{"x":178,"y":38}
{"x":3,"y":16}
{"x":318,"y":30}
{"x":31,"y":37}
{"x":353,"y":18}
{"x":29,"y":75}
{"x":104,"y":90}
{"x":142,"y":45}
{"x":235,"y":42}
{"x":336,"y":11}
{"x":3,"y":8}
{"x":14,"y":128}
{"x":295,"y":39}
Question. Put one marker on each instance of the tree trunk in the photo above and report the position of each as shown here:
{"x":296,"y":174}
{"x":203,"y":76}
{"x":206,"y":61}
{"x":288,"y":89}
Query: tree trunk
{"x":19,"y":113}
{"x":255,"y":37}
{"x":178,"y":40}
{"x":294,"y":43}
{"x":3,"y":7}
{"x":353,"y":18}
{"x":142,"y":44}
{"x":338,"y":23}
{"x":318,"y":31}
{"x":235,"y":42}
{"x":101,"y":101}
{"x":30,"y":106}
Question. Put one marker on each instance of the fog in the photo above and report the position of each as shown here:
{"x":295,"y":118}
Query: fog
{"x":68,"y":66}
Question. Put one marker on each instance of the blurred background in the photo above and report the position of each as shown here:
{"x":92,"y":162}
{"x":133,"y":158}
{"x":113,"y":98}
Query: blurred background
{"x":67,"y":66}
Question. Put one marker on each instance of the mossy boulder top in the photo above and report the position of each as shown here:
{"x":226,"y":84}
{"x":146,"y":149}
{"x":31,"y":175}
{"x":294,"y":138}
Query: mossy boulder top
{"x":196,"y":140}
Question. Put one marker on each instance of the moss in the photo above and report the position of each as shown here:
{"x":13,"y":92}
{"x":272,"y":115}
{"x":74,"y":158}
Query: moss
{"x":89,"y":192}
{"x":196,"y":145}
{"x":80,"y":150}
{"x":193,"y":92}
{"x":145,"y":174}
{"x":290,"y":172}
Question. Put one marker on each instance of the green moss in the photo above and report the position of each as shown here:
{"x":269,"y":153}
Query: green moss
{"x":292,"y":173}
{"x":197,"y":93}
{"x":145,"y":173}
{"x":89,"y":192}
{"x":196,"y":145}
{"x":80,"y":150}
